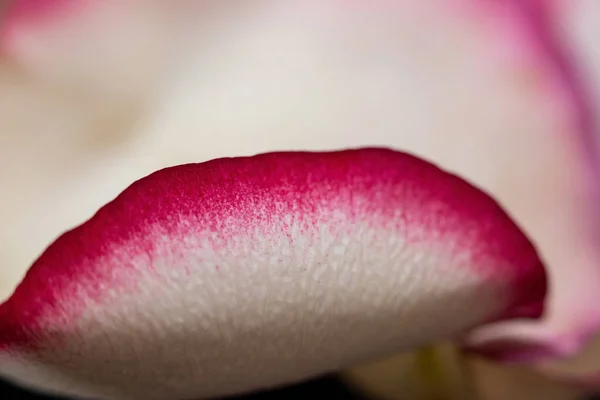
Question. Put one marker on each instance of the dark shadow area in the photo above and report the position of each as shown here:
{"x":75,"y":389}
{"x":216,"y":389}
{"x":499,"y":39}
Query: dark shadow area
{"x":329,"y":388}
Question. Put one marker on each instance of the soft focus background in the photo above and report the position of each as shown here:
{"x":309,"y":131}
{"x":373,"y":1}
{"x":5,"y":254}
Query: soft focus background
{"x":96,"y":94}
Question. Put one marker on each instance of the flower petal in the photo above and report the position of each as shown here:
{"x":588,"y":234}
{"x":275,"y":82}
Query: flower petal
{"x":238,"y":274}
{"x":75,"y":78}
{"x":573,"y":256}
{"x":468,"y":87}
{"x":484,"y":88}
{"x":110,"y":50}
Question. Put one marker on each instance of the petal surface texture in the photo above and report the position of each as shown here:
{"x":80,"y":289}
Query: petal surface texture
{"x":490,"y":90}
{"x":237,"y":274}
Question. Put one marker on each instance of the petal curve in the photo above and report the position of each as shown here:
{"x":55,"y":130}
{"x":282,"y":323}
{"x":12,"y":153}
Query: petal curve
{"x":573,"y":315}
{"x":236,"y":274}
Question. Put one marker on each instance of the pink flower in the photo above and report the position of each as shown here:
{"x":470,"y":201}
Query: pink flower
{"x":101,"y":94}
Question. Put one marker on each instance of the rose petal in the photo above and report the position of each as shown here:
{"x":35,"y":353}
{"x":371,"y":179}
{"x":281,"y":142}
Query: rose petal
{"x":581,"y":27}
{"x":75,"y":77}
{"x":574,"y":314}
{"x":110,"y":50}
{"x":463,"y":83}
{"x":484,"y":88}
{"x":238,"y":274}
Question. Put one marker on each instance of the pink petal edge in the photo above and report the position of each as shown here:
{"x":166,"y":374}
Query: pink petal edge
{"x":542,"y":20}
{"x":20,"y":14}
{"x":170,"y":230}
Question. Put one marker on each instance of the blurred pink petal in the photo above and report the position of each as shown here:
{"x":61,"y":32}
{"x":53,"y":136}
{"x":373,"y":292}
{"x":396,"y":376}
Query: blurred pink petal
{"x":573,"y":316}
{"x":110,"y":50}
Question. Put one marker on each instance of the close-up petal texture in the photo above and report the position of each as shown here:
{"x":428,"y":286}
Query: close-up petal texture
{"x":239,"y":274}
{"x":502,"y":96}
